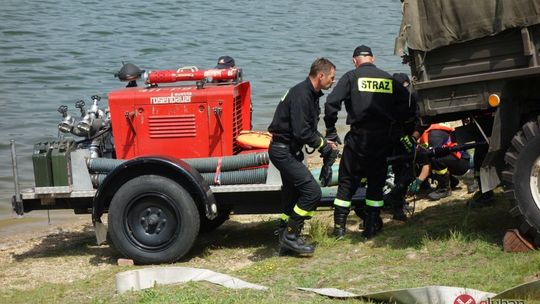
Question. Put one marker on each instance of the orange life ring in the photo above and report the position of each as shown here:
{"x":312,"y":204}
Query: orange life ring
{"x":254,"y":139}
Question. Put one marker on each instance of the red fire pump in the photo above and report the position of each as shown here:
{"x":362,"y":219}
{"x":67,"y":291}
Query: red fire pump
{"x":197,"y":119}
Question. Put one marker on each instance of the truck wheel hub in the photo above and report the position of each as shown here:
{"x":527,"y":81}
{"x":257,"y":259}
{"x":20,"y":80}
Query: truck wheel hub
{"x":153,"y":221}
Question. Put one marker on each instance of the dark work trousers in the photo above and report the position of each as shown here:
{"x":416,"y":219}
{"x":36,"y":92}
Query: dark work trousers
{"x":299,"y":186}
{"x":364,"y":155}
{"x":456,"y":166}
{"x":404,"y":173}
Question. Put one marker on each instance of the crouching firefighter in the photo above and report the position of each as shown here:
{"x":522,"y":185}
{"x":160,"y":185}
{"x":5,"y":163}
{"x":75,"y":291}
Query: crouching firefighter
{"x":444,"y":168}
{"x":293,"y":126}
{"x":375,"y":102}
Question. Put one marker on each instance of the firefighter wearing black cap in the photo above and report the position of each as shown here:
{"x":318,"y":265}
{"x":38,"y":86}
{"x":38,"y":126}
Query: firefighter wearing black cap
{"x":403,"y":171}
{"x":375,"y":104}
{"x":293,"y":126}
{"x":225,"y":62}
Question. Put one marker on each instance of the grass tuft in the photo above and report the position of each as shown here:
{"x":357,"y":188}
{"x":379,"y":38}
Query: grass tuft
{"x":319,"y":231}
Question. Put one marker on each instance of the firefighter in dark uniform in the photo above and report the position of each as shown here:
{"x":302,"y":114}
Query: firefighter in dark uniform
{"x":375,"y":104}
{"x":403,"y":170}
{"x":293,"y":126}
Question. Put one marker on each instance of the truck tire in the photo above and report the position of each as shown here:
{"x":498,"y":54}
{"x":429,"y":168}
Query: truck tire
{"x":153,"y":219}
{"x":522,"y":178}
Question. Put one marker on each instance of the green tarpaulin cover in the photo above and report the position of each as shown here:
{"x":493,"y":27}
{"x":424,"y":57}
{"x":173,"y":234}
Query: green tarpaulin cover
{"x":430,"y":24}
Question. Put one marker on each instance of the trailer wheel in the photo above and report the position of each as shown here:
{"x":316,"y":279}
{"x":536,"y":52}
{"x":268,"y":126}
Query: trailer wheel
{"x":522,"y":179}
{"x":153,"y":219}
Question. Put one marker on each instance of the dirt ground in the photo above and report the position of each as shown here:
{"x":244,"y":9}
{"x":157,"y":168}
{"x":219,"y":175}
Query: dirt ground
{"x":29,"y":252}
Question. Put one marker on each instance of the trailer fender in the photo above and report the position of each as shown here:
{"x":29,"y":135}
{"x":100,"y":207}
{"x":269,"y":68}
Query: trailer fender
{"x":173,"y":168}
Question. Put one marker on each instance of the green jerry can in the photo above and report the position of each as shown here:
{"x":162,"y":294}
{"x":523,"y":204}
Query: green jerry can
{"x":61,"y":162}
{"x":41,"y":160}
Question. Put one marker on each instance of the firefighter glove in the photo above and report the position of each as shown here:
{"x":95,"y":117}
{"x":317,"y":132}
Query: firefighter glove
{"x":408,"y":142}
{"x":415,"y":186}
{"x":331,"y":135}
{"x":325,"y":149}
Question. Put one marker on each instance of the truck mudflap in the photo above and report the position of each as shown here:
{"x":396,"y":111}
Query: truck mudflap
{"x":167,"y":166}
{"x":506,"y":123}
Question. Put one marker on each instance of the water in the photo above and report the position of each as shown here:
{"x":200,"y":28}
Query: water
{"x":58,"y":52}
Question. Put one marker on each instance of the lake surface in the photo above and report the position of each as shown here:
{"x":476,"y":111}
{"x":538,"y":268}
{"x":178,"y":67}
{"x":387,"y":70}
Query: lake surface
{"x":54,"y":53}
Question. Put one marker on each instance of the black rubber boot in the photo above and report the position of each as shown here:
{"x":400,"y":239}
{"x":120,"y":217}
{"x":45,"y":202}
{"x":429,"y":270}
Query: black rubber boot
{"x":398,"y":205}
{"x":481,"y":200}
{"x":373,"y":222}
{"x":280,"y":227}
{"x":360,"y":210}
{"x":443,"y":188}
{"x":472,"y":187}
{"x":454,"y":182}
{"x":340,"y":221}
{"x":396,"y":201}
{"x":291,"y":241}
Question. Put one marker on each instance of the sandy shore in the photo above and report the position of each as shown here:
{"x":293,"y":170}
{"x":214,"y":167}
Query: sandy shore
{"x":37,"y":224}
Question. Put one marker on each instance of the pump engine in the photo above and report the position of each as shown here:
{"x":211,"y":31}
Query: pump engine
{"x":200,"y":118}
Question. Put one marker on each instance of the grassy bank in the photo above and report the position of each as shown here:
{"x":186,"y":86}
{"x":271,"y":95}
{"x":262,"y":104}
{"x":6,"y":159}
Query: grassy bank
{"x":442,"y":244}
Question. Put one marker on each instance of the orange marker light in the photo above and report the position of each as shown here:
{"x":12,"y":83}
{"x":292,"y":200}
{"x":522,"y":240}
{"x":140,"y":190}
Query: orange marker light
{"x":494,"y":100}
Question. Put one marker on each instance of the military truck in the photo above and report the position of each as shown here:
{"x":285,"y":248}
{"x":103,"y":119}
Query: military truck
{"x":479,"y":61}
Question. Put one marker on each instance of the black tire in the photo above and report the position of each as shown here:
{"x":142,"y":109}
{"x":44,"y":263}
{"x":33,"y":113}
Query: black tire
{"x":522,"y":179}
{"x":152,"y":219}
{"x":211,"y":225}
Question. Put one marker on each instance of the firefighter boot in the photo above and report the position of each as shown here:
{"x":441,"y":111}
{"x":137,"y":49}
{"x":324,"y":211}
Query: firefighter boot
{"x":481,"y":200}
{"x":290,"y":240}
{"x":340,"y":221}
{"x":443,"y":188}
{"x":280,"y":227}
{"x":373,"y":222}
{"x":398,"y":210}
{"x":395,"y":199}
{"x":472,"y":186}
{"x":454,"y":182}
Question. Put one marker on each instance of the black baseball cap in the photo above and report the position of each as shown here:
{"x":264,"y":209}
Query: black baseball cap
{"x":225,"y":62}
{"x":362,"y":51}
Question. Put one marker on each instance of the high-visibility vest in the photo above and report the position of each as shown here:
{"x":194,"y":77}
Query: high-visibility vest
{"x":423,"y":140}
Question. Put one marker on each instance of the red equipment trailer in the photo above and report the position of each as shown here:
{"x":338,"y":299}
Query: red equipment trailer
{"x":163,"y":194}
